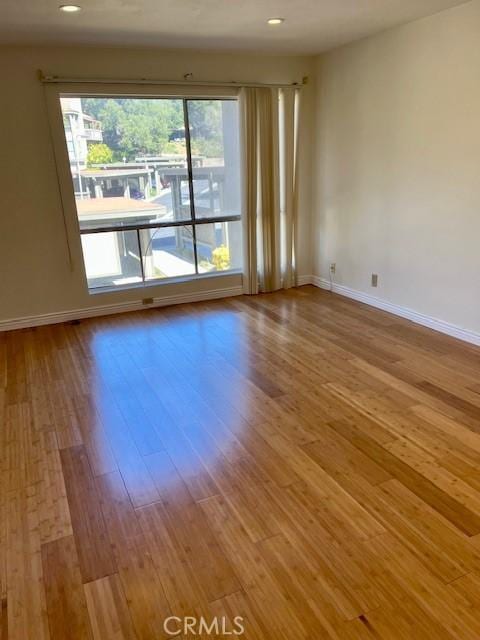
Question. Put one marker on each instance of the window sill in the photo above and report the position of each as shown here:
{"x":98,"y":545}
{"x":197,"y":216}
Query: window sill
{"x":165,"y":281}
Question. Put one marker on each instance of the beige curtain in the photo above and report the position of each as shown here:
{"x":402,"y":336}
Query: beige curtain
{"x":270,"y":125}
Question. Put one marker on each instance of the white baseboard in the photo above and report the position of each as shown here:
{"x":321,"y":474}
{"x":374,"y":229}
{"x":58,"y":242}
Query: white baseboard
{"x":301,"y":280}
{"x":419,"y":318}
{"x":120,"y":307}
{"x":108,"y":309}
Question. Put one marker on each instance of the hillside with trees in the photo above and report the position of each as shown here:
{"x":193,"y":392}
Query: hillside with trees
{"x":135,"y":127}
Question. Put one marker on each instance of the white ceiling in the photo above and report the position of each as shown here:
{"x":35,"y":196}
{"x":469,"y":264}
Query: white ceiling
{"x":311,"y":26}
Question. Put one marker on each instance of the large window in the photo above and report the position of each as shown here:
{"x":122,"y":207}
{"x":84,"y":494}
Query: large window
{"x":157,"y":186}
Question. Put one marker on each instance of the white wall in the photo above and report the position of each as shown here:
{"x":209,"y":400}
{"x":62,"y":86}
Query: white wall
{"x":35,"y":275}
{"x":397,"y":165}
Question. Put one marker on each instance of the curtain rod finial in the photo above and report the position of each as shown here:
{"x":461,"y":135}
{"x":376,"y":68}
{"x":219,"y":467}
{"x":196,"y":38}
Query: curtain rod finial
{"x":305,"y":80}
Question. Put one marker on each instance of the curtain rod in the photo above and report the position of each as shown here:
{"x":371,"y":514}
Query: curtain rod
{"x":50,"y":79}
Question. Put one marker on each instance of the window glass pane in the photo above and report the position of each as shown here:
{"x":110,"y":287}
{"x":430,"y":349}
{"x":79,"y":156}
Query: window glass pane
{"x":111,"y":259}
{"x":129,"y":165}
{"x":219,"y":246}
{"x":127,"y":159}
{"x":167,"y":252}
{"x":214,"y":139}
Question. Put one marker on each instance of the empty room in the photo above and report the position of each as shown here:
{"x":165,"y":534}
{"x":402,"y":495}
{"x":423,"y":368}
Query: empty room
{"x":240,"y":320}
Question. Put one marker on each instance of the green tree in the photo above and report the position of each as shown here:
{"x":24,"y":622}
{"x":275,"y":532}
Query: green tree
{"x":99,"y":153}
{"x":205,"y":119}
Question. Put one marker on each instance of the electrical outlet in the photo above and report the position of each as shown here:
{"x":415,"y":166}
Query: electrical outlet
{"x":333,"y":266}
{"x":147,"y":300}
{"x":374,"y":280}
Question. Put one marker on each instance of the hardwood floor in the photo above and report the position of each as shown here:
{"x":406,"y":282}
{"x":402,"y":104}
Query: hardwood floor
{"x":298,"y":460}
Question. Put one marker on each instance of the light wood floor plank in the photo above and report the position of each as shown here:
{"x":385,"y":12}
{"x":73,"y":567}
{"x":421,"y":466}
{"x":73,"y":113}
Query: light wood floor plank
{"x":93,"y":547}
{"x":66,"y":604}
{"x":140,"y":581}
{"x":108,"y":609}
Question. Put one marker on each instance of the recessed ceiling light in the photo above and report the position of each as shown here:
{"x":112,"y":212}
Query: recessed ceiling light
{"x":275,"y":20}
{"x":70,"y":8}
